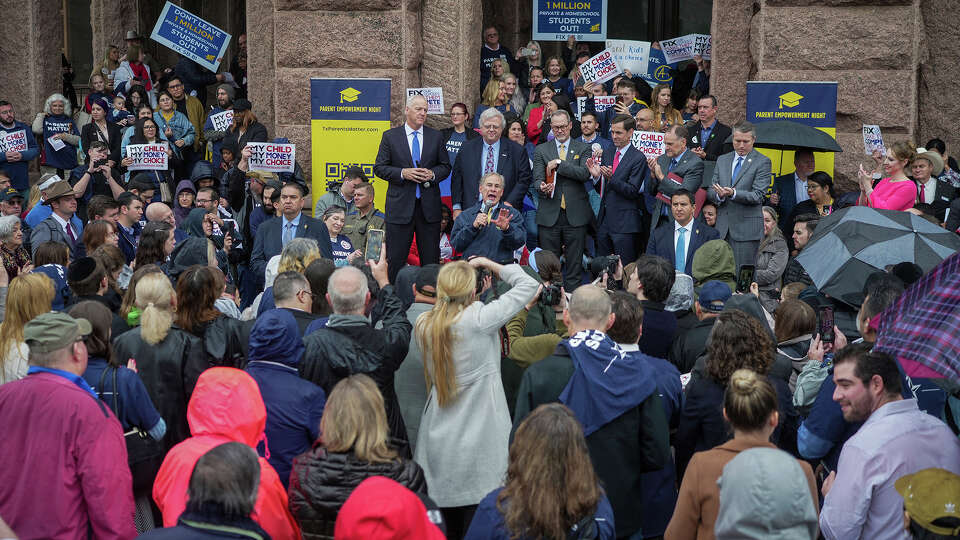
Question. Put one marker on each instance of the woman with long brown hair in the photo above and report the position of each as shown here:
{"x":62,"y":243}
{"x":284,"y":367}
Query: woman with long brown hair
{"x":463,"y":435}
{"x":28,"y":295}
{"x":551,"y":486}
{"x":245,"y":126}
{"x":664,"y":115}
{"x":224,"y":338}
{"x":355,"y":439}
{"x":98,"y":233}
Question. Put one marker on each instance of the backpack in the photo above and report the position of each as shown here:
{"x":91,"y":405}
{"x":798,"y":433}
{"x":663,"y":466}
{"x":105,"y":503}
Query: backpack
{"x":809,"y":381}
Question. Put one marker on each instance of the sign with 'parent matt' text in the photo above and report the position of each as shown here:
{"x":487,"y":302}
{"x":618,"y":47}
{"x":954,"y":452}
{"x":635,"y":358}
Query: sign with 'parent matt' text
{"x":13,"y":142}
{"x":191,"y":36}
{"x":222,"y":120}
{"x":272,"y":157}
{"x":556,"y":20}
{"x":600,"y":68}
{"x":148,"y":157}
{"x":649,"y":142}
{"x":434,"y":97}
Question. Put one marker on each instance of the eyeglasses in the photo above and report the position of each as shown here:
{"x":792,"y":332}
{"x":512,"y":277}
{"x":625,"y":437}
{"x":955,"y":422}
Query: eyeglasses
{"x":560,"y":127}
{"x":204,"y":201}
{"x":149,"y":127}
{"x":178,"y":85}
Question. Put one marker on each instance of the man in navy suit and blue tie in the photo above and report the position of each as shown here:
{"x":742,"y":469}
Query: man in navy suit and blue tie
{"x":619,"y":178}
{"x":413,"y":159}
{"x":273,"y":234}
{"x":678,"y":239}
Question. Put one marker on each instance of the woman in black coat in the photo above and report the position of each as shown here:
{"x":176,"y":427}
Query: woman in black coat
{"x":245,"y":126}
{"x":225,"y":339}
{"x":99,"y":129}
{"x":354,"y":446}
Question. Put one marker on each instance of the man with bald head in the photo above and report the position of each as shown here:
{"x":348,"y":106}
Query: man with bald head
{"x":613,"y":395}
{"x":413,"y":160}
{"x":350,"y":344}
{"x":160,"y":212}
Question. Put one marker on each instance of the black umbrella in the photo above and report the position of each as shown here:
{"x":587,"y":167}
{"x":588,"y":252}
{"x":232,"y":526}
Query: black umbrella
{"x":788,"y":135}
{"x":854,"y":242}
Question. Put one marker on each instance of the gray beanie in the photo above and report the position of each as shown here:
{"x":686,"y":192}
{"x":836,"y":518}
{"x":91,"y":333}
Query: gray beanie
{"x":230,"y":90}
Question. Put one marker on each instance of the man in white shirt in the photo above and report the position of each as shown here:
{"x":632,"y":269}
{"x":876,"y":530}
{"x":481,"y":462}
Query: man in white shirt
{"x":790,"y":190}
{"x":677,"y":240}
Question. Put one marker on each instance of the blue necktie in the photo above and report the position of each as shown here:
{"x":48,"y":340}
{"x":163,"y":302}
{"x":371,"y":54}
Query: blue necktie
{"x":681,"y":254}
{"x":415,"y":154}
{"x":287,"y":233}
{"x":736,"y":169}
{"x":673,"y":163}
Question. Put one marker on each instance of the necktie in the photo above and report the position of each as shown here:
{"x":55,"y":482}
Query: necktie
{"x":562,"y":152}
{"x":287,"y":233}
{"x":415,"y":154}
{"x":673,"y":163}
{"x":736,"y":169}
{"x":488,"y":167}
{"x":73,"y":238}
{"x":681,"y":254}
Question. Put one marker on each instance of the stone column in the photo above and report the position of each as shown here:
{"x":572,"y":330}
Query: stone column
{"x":454,"y":68}
{"x":31,"y":47}
{"x":938,"y":105}
{"x":110,"y":20}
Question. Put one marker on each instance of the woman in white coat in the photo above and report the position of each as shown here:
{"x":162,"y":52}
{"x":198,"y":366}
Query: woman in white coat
{"x":464,"y":434}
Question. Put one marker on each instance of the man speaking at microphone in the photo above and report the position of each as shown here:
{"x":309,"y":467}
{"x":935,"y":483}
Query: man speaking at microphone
{"x":489,"y":228}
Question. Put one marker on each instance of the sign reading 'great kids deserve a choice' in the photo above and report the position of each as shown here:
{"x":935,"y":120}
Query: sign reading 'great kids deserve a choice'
{"x":556,"y":20}
{"x":191,"y":36}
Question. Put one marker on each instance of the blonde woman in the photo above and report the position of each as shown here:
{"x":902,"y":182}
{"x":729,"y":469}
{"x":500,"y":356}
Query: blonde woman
{"x":664,"y":115}
{"x":463,"y":437}
{"x":354,"y":439}
{"x":295,"y":257}
{"x":168,"y":359}
{"x":494,"y":96}
{"x":28,"y":295}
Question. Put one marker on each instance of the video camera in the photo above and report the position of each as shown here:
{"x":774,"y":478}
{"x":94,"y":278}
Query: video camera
{"x":550,"y":295}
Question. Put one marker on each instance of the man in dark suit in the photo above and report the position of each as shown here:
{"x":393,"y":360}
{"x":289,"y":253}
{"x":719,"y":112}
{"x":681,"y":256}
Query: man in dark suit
{"x":682,"y":231}
{"x":789,"y":190}
{"x":486,"y":154}
{"x":931,"y":190}
{"x":413,"y":159}
{"x":619,"y":181}
{"x":273,"y":234}
{"x":564,"y":212}
{"x":687,"y":166}
{"x":708,"y":135}
{"x":739,"y":182}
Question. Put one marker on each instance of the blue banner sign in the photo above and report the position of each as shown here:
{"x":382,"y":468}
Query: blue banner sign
{"x":556,"y":20}
{"x":191,"y":36}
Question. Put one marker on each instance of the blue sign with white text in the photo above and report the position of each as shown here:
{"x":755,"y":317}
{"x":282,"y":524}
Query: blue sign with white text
{"x":658,"y":70}
{"x":191,"y":36}
{"x":556,"y":20}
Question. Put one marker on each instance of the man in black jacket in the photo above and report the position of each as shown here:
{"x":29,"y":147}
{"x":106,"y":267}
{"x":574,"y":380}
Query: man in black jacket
{"x":349,"y":344}
{"x":708,"y":135}
{"x":616,"y":400}
{"x":691,"y":345}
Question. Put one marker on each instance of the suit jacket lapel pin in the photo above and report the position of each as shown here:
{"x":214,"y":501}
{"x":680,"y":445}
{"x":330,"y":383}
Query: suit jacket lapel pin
{"x":576,"y":156}
{"x":696,"y":231}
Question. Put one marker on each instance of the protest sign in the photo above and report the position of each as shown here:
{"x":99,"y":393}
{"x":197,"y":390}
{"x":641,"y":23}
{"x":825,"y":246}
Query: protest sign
{"x":702,"y":44}
{"x":222,"y":120}
{"x":649,"y":142}
{"x":632,"y":55}
{"x":678,"y":49}
{"x":56,"y":144}
{"x":191,"y":36}
{"x":600,"y":68}
{"x":272,"y":157}
{"x":148,"y":157}
{"x":13,"y":142}
{"x":872,"y":139}
{"x":600,"y":104}
{"x":434,"y":97}
{"x":657,"y":69}
{"x":555,"y":20}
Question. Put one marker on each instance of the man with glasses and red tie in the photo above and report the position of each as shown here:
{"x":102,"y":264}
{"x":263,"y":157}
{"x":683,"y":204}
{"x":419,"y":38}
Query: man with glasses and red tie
{"x":560,"y":173}
{"x":63,"y":225}
{"x":619,"y":178}
{"x":413,"y":159}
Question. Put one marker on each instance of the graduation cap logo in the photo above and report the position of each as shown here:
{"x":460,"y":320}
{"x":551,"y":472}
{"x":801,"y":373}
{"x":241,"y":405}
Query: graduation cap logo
{"x":790,"y":100}
{"x":349,"y":94}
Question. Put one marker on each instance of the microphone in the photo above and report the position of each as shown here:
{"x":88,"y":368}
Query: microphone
{"x":485,"y":206}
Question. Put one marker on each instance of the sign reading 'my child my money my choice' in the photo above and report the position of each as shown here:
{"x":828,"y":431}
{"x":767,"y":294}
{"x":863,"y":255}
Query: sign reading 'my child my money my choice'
{"x":810,"y":103}
{"x":347,"y":121}
{"x":191,"y":36}
{"x":556,"y":20}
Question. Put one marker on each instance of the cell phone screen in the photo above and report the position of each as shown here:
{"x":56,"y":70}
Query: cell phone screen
{"x":374,"y":244}
{"x":745,"y":278}
{"x":825,"y":316}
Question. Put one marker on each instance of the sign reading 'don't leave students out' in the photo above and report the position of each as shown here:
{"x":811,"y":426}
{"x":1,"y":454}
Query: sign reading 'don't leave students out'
{"x":191,"y":36}
{"x":148,"y":157}
{"x":272,"y":157}
{"x":649,"y":142}
{"x":600,"y":68}
{"x":434,"y":97}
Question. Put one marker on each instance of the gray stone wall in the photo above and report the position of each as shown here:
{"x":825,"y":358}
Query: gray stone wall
{"x":30,"y":49}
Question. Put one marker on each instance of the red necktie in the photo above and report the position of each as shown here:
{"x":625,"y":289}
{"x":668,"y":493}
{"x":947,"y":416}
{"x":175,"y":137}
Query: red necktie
{"x":616,"y":160}
{"x":73,"y":238}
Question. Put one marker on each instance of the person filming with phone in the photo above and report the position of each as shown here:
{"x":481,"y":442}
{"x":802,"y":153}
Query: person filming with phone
{"x":489,"y":228}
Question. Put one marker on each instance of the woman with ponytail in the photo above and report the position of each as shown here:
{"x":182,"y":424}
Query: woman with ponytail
{"x":168,"y":359}
{"x":463,"y":438}
{"x":750,"y":406}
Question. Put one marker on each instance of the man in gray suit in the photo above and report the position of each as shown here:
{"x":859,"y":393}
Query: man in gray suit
{"x":564,"y":212}
{"x":739,"y":183}
{"x":677,"y":160}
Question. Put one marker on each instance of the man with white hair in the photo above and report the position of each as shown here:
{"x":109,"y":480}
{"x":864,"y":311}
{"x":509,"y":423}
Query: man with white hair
{"x":413,"y":159}
{"x":350,"y":344}
{"x":486,"y":154}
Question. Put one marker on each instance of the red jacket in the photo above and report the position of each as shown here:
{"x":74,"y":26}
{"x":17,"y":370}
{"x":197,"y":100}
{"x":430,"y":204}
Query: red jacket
{"x":225,"y":407}
{"x":65,"y":462}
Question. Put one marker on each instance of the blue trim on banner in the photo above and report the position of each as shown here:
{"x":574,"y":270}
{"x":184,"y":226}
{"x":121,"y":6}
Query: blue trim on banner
{"x":810,"y":103}
{"x":350,"y":99}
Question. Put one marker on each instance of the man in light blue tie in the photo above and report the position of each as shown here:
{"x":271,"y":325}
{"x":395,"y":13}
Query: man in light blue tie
{"x":678,"y":239}
{"x":738,"y":186}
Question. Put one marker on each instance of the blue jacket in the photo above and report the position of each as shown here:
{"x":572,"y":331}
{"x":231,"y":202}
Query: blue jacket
{"x":268,"y":241}
{"x":294,"y":405}
{"x":128,"y":243}
{"x":17,"y":171}
{"x":181,"y":126}
{"x":488,"y":241}
{"x":489,"y":524}
{"x":129,"y":397}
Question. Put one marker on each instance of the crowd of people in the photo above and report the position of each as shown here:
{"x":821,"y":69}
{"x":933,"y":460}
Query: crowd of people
{"x":567,"y":348}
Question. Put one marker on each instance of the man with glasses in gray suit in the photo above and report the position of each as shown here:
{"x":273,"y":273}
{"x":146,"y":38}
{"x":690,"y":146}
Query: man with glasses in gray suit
{"x":739,"y":183}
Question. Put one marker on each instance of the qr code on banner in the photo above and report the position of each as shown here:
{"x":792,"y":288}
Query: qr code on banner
{"x":335,"y":170}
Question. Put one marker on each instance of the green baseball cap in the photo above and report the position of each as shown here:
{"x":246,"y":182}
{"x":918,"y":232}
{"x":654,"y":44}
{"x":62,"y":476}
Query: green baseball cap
{"x":53,"y":331}
{"x":929,"y":495}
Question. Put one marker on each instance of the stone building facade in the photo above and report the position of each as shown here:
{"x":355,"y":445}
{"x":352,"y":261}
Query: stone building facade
{"x":894,"y":59}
